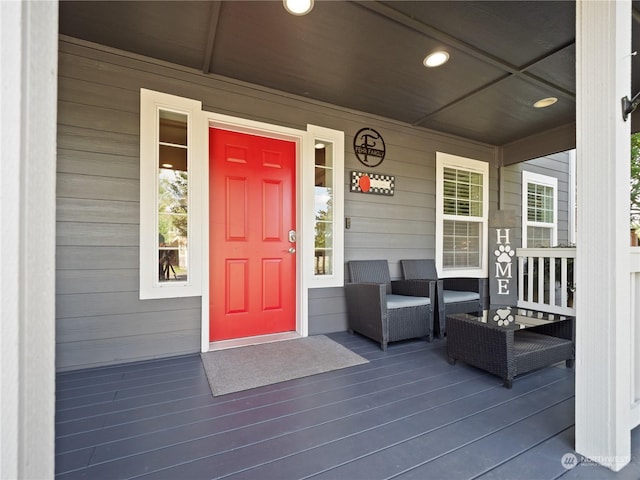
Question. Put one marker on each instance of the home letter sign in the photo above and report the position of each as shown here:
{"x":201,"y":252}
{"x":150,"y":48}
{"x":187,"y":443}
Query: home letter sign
{"x":503,"y":279}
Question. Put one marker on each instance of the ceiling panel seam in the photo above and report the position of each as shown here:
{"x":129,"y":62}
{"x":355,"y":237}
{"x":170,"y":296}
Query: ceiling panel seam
{"x":211,"y":37}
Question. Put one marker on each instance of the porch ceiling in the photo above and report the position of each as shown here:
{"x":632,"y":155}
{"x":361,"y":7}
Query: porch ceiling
{"x":368,"y":55}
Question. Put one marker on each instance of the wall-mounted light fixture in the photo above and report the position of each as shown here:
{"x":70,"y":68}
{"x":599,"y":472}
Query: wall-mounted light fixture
{"x":628,"y":106}
{"x":298,"y":7}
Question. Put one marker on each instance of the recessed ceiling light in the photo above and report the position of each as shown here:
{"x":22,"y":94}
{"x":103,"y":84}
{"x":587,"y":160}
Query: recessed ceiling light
{"x":436,"y":59}
{"x":319,"y":146}
{"x":545,"y":102}
{"x":298,"y":7}
{"x":167,"y":165}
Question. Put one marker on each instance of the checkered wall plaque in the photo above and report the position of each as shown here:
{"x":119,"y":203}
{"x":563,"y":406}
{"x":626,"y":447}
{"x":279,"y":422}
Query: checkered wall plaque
{"x":376,"y":183}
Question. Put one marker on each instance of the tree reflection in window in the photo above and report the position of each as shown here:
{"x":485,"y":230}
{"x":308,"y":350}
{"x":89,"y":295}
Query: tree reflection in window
{"x":324,"y":236}
{"x":172,"y":224}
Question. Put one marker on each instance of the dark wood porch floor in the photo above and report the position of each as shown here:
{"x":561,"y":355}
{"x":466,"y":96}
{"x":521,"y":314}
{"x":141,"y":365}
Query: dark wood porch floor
{"x":407,"y":414}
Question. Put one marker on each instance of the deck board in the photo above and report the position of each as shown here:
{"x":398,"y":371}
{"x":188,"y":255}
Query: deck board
{"x":540,"y":461}
{"x":406,"y":414}
{"x":393,"y":447}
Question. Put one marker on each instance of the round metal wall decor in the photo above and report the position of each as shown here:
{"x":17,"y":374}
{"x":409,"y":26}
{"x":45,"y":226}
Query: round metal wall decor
{"x":369,"y":147}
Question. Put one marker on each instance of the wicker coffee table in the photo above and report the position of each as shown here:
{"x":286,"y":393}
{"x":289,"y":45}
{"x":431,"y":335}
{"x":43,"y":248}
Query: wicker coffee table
{"x":508,"y":341}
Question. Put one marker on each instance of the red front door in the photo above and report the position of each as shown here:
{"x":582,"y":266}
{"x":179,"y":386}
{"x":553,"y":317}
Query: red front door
{"x":252,"y":262}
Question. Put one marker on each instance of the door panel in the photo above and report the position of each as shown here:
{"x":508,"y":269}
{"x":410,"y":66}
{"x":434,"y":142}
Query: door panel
{"x":252,"y":209}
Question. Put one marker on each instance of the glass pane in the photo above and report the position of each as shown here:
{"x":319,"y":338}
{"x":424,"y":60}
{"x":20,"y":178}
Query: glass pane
{"x":321,"y":177}
{"x":172,"y":224}
{"x":539,"y":237}
{"x":448,"y":228}
{"x":475,"y":209}
{"x":448,"y":259}
{"x":463,"y":208}
{"x":463,"y":176}
{"x":173,"y":128}
{"x":324,"y":235}
{"x":323,"y":264}
{"x":324,"y":177}
{"x":174,"y":158}
{"x":449,"y":174}
{"x":540,"y":203}
{"x":172,"y":252}
{"x":475,"y":179}
{"x":323,"y":248}
{"x":323,"y":202}
{"x":449,"y":206}
{"x":461,"y":244}
{"x":476,"y":193}
{"x":324,"y":154}
{"x":462,"y":193}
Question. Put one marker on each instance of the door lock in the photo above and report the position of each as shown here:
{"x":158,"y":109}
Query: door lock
{"x":292,"y":250}
{"x":292,"y":236}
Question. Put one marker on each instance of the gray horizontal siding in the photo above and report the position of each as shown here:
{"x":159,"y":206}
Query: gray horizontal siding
{"x":99,"y":317}
{"x":139,"y":323}
{"x":328,"y":306}
{"x":97,"y":211}
{"x":98,"y":187}
{"x":84,"y":140}
{"x":100,"y":164}
{"x":95,"y":258}
{"x":116,"y":303}
{"x":98,"y":234}
{"x":114,"y":350}
{"x":97,"y":281}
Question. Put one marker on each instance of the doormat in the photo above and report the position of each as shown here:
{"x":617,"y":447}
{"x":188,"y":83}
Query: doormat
{"x":242,"y":368}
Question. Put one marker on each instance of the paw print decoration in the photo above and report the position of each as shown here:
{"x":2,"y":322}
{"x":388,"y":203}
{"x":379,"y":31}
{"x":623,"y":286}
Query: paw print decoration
{"x":503,"y":316}
{"x":504,"y":253}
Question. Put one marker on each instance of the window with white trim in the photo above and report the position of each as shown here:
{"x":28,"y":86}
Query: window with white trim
{"x":461,"y":216}
{"x":539,"y":210}
{"x":325,"y":222}
{"x":170,"y":191}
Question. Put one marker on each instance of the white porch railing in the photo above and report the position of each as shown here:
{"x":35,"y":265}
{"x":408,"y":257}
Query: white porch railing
{"x":545,"y":279}
{"x":536,"y":275}
{"x":634,"y":338}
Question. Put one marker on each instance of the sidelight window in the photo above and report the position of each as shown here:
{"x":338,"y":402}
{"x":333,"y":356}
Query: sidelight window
{"x":328,"y":218}
{"x":169,"y":248}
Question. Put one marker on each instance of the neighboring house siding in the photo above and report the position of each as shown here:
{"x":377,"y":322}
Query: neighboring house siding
{"x":556,"y":165}
{"x":99,"y":318}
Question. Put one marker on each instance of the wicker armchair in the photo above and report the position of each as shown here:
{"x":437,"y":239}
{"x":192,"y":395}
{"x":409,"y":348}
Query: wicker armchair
{"x":386,"y":310}
{"x":454,"y":295}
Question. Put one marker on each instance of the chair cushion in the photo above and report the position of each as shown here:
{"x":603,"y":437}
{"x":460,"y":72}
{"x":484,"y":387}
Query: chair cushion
{"x":454,"y":296}
{"x":403,"y":301}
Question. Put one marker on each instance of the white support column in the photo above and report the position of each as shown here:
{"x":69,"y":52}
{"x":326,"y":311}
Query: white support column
{"x":603,"y":77}
{"x":28,"y":81}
